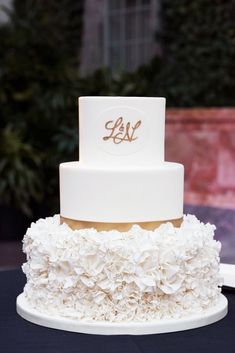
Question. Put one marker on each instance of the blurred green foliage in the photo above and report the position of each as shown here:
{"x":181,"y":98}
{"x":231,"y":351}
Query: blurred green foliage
{"x":38,"y":99}
{"x":19,"y":181}
{"x":198,"y":40}
{"x":40,"y":83}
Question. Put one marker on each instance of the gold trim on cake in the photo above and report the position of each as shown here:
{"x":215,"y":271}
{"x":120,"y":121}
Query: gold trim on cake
{"x":121,"y":227}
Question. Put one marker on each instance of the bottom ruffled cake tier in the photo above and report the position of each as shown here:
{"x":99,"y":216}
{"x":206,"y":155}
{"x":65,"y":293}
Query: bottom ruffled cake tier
{"x":138,"y":275}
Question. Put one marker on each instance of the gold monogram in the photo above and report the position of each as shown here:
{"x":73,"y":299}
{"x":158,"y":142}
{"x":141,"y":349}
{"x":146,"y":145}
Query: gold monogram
{"x":120,"y":132}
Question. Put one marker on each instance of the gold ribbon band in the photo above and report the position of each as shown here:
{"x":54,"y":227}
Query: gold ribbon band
{"x":121,"y":227}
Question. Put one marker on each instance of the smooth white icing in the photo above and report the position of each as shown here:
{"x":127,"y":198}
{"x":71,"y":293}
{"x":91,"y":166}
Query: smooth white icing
{"x":128,"y":195}
{"x":138,"y":275}
{"x":119,"y":180}
{"x":146,"y":148}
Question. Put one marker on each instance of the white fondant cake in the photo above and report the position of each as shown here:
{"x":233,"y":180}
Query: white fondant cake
{"x":154,"y":270}
{"x":121,"y":167}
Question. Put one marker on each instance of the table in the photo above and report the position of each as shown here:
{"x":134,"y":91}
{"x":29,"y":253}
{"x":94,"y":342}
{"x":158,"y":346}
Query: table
{"x":20,"y":336}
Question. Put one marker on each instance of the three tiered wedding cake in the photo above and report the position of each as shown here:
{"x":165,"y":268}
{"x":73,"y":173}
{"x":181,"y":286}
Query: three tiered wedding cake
{"x":121,"y":253}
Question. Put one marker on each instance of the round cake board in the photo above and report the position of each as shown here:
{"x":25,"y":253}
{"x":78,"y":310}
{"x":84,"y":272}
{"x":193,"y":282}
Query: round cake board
{"x":207,"y":317}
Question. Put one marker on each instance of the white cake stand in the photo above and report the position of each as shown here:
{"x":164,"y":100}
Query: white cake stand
{"x":132,"y":328}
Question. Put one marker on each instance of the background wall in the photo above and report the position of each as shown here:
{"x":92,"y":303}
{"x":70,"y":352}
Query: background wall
{"x":203,"y":139}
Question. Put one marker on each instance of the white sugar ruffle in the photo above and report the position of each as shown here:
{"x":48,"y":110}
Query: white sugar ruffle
{"x":121,"y":276}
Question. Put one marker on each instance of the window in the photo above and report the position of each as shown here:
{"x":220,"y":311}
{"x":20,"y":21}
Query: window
{"x":128,"y":34}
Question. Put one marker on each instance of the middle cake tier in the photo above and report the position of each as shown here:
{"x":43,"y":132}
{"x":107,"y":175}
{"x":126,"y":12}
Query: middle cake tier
{"x":121,"y":196}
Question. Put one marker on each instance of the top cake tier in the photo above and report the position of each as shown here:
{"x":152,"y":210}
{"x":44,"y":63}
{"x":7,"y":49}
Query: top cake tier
{"x":121,"y":131}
